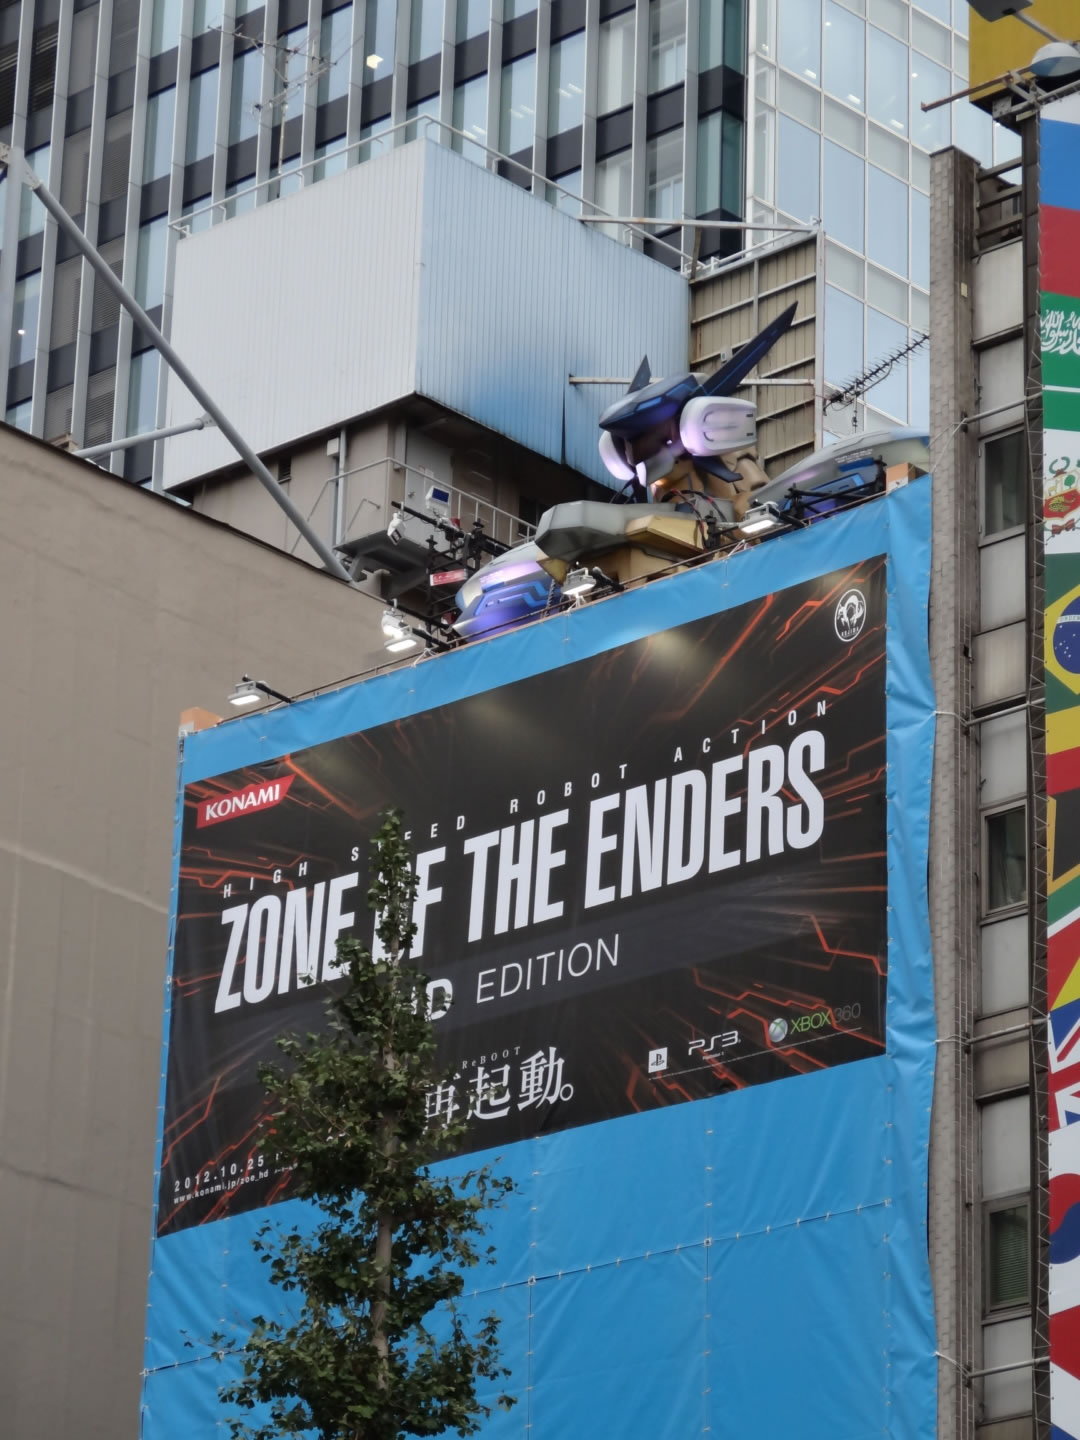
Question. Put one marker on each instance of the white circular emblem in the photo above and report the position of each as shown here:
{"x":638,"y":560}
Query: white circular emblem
{"x":777,"y":1031}
{"x":850,"y":615}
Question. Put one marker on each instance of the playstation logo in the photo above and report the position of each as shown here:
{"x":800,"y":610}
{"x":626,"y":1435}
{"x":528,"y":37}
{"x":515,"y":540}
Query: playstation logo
{"x":657,"y":1060}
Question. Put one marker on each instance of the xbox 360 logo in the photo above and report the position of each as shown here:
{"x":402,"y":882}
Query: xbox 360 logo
{"x":778,"y":1030}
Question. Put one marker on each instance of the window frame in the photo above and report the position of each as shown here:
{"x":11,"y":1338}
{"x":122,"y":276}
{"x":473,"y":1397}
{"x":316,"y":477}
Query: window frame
{"x":994,"y":536}
{"x":1013,"y":907}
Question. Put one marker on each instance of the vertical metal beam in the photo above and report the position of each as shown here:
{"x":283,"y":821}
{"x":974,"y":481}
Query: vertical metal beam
{"x":48,"y":245}
{"x":494,"y":78}
{"x":224,"y":100}
{"x":311,"y":85}
{"x":446,"y":73}
{"x":954,"y":819}
{"x":176,"y":209}
{"x":640,"y":115}
{"x":213,"y":409}
{"x":690,"y":239}
{"x":590,"y":106}
{"x":268,"y":87}
{"x":10,"y":253}
{"x":540,"y":115}
{"x":357,"y":57}
{"x":91,"y":216}
{"x":132,"y":229}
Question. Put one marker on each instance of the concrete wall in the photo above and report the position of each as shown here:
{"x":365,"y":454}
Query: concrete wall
{"x":119,"y":608}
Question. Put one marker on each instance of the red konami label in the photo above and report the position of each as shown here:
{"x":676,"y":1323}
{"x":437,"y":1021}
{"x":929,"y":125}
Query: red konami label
{"x":241,"y":802}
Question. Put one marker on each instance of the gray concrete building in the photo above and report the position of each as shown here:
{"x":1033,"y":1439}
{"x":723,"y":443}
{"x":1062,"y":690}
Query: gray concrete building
{"x":121,"y":609}
{"x":988,"y":1178}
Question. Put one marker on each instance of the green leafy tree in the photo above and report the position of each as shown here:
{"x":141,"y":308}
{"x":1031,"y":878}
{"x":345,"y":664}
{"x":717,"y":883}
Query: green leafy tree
{"x":350,"y":1110}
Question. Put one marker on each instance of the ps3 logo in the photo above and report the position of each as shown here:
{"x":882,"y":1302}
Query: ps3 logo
{"x":850,"y":615}
{"x":716,"y":1045}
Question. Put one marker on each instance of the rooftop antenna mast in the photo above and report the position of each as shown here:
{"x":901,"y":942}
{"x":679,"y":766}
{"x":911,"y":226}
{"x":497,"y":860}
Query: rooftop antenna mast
{"x":15,"y":164}
{"x":855,"y":389}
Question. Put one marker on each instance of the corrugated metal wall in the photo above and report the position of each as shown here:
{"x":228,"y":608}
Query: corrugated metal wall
{"x":323,"y":288}
{"x":524,"y":298}
{"x":417,"y":272}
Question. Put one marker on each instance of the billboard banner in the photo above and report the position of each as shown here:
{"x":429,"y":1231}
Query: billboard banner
{"x":1059,"y":232}
{"x":678,"y":966}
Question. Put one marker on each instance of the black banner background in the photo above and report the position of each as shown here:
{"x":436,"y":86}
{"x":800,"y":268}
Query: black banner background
{"x":769,"y":968}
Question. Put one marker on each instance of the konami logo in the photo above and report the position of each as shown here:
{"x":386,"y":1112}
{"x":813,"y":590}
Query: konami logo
{"x":242,"y":802}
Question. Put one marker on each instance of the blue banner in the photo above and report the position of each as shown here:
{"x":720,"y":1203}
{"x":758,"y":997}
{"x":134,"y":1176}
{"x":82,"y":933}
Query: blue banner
{"x":706,"y":999}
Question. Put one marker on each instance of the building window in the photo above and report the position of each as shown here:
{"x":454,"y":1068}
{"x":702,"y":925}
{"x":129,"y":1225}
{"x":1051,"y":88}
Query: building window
{"x":142,"y":393}
{"x":157,"y":152}
{"x":615,"y":80}
{"x":416,"y":129}
{"x":719,"y":164}
{"x":206,"y":16}
{"x":1005,"y":858}
{"x":202,"y":115}
{"x":797,"y":170}
{"x":566,"y":84}
{"x":843,"y":336}
{"x":24,"y":319}
{"x":31,"y":210}
{"x":372,"y":133}
{"x":710,"y":34}
{"x":667,"y":43}
{"x":844,"y":186}
{"x":517,"y":120}
{"x":292,"y":49}
{"x":244,"y":98}
{"x":1007,"y":1255}
{"x":470,"y":115}
{"x":885,"y":336}
{"x":887,"y":88}
{"x":800,"y":38}
{"x":240,"y":197}
{"x":887,"y":221}
{"x":150,"y":263}
{"x":568,"y":204}
{"x":472,"y":18}
{"x":335,"y":46}
{"x":930,"y":129}
{"x":425,"y":32}
{"x":379,"y":35}
{"x":165,"y":26}
{"x":612,"y":188}
{"x":19,"y":415}
{"x":330,"y":159}
{"x":663,"y":176}
{"x":1004,"y":482}
{"x":845,"y":68}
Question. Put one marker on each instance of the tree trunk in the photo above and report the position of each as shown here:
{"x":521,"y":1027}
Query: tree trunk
{"x":384,"y":1234}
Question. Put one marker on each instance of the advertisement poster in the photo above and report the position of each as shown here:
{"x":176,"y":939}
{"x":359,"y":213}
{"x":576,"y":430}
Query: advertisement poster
{"x":1059,"y":222}
{"x":671,"y":850}
{"x":652,"y":876}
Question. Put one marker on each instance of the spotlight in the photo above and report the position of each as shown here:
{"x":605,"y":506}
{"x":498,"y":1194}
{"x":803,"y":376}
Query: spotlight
{"x":394,"y":529}
{"x":396,"y":647}
{"x":250,"y":692}
{"x":578,"y":582}
{"x":394,"y":625}
{"x":760,"y":520}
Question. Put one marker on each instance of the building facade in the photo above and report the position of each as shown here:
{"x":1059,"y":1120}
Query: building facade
{"x":837,"y":132}
{"x":150,"y":118}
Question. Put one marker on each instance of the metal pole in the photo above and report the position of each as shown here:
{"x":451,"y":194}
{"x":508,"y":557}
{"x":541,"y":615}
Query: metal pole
{"x":696,"y":224}
{"x":130,"y":441}
{"x":205,"y":399}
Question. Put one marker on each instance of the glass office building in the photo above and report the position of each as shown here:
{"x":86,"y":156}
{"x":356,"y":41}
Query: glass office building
{"x":838,"y":132}
{"x":145,"y":118}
